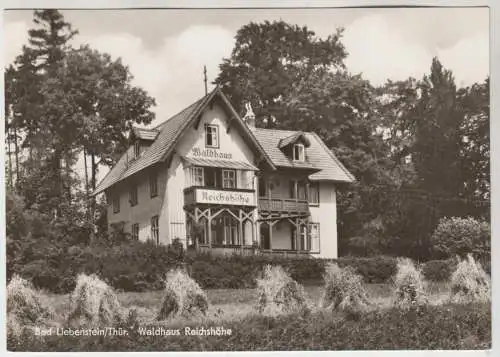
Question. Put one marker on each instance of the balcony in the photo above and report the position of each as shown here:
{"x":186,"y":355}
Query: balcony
{"x":219,"y":196}
{"x":278,"y":205}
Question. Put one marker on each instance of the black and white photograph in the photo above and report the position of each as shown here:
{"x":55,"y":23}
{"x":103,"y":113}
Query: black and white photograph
{"x":247,"y":179}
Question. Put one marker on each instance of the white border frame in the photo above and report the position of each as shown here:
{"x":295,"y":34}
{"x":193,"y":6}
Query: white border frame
{"x":495,"y":127}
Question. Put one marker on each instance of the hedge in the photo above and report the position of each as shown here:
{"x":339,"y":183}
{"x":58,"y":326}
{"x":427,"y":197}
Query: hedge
{"x":136,"y":266}
{"x":442,"y":327}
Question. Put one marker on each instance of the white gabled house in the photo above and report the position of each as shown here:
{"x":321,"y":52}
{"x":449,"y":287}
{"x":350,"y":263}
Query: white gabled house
{"x":251,"y":190}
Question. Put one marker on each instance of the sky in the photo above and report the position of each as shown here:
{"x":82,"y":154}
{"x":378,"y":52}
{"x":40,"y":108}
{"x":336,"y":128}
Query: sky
{"x":166,"y":49}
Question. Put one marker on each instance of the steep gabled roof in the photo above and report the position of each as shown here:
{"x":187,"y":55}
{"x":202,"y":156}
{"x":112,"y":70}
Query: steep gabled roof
{"x":317,"y":155}
{"x":170,"y":133}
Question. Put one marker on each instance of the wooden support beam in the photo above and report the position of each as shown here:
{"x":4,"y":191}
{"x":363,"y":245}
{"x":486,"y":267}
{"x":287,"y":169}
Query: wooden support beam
{"x":242,"y":238}
{"x":209,"y":220}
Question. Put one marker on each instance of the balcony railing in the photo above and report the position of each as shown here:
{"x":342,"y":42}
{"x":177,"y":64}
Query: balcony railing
{"x":283,"y":205}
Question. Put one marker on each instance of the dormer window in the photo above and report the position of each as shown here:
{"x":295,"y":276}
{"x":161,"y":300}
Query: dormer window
{"x":137,"y":149}
{"x":211,"y":136}
{"x":298,"y":152}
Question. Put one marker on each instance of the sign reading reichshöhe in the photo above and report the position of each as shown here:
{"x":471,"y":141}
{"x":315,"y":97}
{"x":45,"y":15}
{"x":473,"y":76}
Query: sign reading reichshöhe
{"x":212,"y":154}
{"x":225,"y":197}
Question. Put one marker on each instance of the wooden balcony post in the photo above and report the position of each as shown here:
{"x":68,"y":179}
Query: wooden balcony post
{"x":209,"y":233}
{"x":242,"y":238}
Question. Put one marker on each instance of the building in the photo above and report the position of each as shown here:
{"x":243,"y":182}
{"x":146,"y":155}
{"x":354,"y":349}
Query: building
{"x":212,"y":179}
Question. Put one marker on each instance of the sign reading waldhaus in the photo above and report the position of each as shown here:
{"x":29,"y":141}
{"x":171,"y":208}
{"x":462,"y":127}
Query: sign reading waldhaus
{"x":218,"y":183}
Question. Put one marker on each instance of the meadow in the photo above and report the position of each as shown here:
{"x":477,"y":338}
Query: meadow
{"x":434,"y":322}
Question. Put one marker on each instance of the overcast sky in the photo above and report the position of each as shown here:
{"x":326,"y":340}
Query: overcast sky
{"x":166,"y":49}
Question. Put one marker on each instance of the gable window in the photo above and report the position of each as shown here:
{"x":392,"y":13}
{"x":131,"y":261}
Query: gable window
{"x":211,"y":136}
{"x":133,"y":195}
{"x":137,"y":149}
{"x":197,"y":176}
{"x":155,"y":231}
{"x":153,"y":184}
{"x":298,"y":152}
{"x":314,"y":193}
{"x":228,"y":179}
{"x":135,"y":231}
{"x":116,"y":203}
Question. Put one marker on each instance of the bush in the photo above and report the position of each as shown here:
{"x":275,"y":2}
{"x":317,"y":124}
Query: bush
{"x":409,"y":285}
{"x":183,"y":296}
{"x":470,"y":283}
{"x":461,"y":236}
{"x":278,"y":293}
{"x":373,"y":270}
{"x":344,"y":290}
{"x":94,"y":303}
{"x":438,"y":270}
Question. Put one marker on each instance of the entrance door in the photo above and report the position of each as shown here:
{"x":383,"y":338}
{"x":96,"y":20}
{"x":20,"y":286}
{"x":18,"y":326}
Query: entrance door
{"x":265,"y":238}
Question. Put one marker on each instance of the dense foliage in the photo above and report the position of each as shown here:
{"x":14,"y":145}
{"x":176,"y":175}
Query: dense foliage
{"x":461,"y":236}
{"x":445,"y":327}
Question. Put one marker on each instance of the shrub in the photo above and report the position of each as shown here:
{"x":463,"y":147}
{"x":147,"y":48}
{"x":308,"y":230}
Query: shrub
{"x":470,"y":283}
{"x":438,"y":270}
{"x":344,"y":290}
{"x":410,"y":285}
{"x":461,"y":236}
{"x":278,"y":293}
{"x":24,"y":306}
{"x":374,"y":269}
{"x":94,"y":303}
{"x":183,"y":296}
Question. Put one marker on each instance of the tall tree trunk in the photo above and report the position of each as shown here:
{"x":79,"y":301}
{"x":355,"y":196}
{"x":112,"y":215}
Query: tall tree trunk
{"x":9,"y":152}
{"x":86,"y":181}
{"x":16,"y":148}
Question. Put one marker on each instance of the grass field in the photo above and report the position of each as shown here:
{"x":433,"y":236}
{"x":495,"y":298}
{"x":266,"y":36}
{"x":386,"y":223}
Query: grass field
{"x":229,"y":304}
{"x":437,"y":325}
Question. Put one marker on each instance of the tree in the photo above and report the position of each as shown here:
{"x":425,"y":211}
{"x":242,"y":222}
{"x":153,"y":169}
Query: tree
{"x":268,"y":58}
{"x":474,"y":104}
{"x":437,"y":136}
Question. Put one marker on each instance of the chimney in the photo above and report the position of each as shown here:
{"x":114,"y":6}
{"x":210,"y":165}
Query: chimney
{"x":249,"y":117}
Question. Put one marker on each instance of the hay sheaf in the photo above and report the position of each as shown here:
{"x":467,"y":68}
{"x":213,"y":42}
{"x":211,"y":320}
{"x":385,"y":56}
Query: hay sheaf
{"x":410,"y":286}
{"x":93,"y":302}
{"x":470,"y":283}
{"x":344,"y":290}
{"x":183,"y":296}
{"x":24,"y":307}
{"x":278,"y":293}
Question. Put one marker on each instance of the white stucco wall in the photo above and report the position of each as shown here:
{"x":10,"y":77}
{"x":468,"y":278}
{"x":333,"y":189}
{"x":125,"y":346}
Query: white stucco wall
{"x":326,"y":215}
{"x":146,"y":206}
{"x":173,"y":214}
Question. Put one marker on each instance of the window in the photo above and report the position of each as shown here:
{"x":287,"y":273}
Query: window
{"x":137,"y":149}
{"x":228,"y":179}
{"x":213,"y":177}
{"x":153,"y":184}
{"x":197,"y":179}
{"x":303,"y":240}
{"x":133,"y":195}
{"x":135,"y":231}
{"x":262,"y":187}
{"x":298,"y":152}
{"x":313,"y":239}
{"x":293,"y":189}
{"x":314,"y":193}
{"x":116,"y":203}
{"x":211,"y":136}
{"x":301,"y":190}
{"x":155,"y":231}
